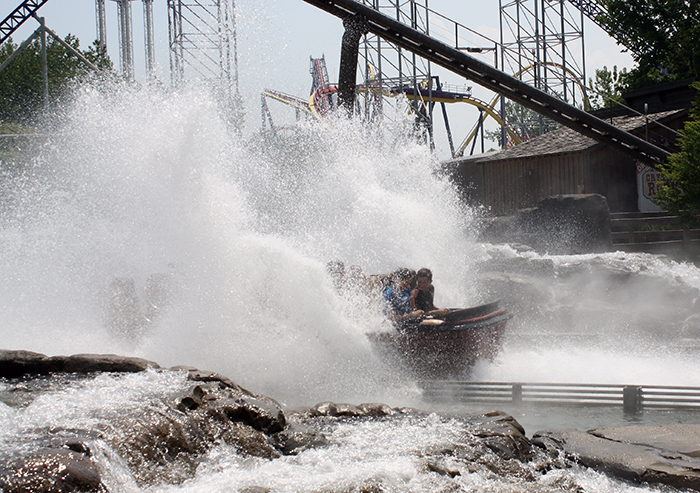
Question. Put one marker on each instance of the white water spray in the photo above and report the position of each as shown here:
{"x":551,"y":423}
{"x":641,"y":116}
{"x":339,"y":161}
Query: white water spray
{"x":139,"y":184}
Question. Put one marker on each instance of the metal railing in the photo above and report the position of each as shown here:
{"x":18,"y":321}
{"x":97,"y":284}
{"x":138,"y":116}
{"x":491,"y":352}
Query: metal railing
{"x":632,"y":398}
{"x":654,"y":232}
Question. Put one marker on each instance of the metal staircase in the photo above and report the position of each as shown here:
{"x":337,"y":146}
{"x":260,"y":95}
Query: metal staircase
{"x":18,"y":16}
{"x":487,"y":76}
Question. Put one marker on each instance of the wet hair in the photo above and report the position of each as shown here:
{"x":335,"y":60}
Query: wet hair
{"x":402,"y":274}
{"x":425,"y":273}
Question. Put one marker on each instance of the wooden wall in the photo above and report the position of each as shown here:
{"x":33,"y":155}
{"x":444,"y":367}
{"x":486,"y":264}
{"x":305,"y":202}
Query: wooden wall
{"x":521,"y":183}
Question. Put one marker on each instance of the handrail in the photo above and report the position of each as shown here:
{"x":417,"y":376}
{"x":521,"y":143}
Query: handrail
{"x":634,"y":398}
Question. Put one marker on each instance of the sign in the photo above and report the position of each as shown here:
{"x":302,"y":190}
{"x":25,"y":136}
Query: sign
{"x":648,"y":181}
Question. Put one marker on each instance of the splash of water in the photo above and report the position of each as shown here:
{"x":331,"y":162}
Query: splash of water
{"x":142,"y":192}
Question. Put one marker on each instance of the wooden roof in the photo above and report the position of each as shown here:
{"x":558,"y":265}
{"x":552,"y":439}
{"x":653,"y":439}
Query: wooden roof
{"x":564,"y":140}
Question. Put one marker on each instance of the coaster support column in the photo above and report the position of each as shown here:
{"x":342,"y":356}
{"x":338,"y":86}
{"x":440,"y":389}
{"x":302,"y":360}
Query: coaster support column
{"x":355,"y":28}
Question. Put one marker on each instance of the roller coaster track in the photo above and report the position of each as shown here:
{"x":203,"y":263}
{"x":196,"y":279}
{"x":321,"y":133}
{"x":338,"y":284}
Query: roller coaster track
{"x":290,"y":100}
{"x":491,"y":78}
{"x":18,"y":16}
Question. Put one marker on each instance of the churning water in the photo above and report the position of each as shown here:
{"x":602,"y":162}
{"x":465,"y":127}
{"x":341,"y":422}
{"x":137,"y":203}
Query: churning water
{"x":219,"y":244}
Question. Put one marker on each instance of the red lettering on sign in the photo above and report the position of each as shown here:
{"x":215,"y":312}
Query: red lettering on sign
{"x":652,"y":190}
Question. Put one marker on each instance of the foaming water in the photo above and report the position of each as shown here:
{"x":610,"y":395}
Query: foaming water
{"x":612,"y":318}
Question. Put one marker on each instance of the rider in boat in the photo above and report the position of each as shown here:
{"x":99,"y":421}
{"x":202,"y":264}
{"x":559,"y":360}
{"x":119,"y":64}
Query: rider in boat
{"x":397,"y":299}
{"x":423,"y":295}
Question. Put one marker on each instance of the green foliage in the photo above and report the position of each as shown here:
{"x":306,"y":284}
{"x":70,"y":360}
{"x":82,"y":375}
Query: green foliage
{"x":663,"y":35}
{"x":21,"y":82}
{"x":607,"y":89}
{"x":681,"y":194}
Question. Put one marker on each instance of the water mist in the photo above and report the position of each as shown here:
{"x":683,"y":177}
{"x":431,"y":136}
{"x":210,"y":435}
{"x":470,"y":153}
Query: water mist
{"x":137,"y":184}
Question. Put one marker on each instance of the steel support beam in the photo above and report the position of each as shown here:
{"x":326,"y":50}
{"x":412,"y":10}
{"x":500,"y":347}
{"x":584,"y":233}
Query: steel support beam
{"x":23,"y":12}
{"x":355,"y":28}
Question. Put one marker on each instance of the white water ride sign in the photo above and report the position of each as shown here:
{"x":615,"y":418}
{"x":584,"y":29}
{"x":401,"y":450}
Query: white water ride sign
{"x":648,"y":180}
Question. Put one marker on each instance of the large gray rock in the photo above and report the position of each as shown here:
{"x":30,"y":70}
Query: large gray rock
{"x":558,"y":225}
{"x":237,"y":405}
{"x":644,"y":454}
{"x":14,"y":364}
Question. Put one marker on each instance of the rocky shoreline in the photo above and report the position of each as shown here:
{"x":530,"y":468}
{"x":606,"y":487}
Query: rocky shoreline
{"x":164,"y":446}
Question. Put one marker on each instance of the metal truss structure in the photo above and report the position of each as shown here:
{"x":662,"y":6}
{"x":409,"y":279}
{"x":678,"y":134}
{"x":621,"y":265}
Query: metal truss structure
{"x":202,"y":36}
{"x":455,"y":60}
{"x":17,"y":17}
{"x":389,"y":70}
{"x":542,"y":43}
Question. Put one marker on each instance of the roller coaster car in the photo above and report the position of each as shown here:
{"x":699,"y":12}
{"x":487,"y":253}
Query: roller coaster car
{"x":446,"y":350}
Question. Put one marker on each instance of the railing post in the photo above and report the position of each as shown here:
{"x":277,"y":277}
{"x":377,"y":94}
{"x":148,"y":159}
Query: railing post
{"x":517,"y":393}
{"x":632,"y":399}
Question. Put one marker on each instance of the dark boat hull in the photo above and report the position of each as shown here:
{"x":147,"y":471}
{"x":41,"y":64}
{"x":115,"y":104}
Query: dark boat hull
{"x":448,"y":350}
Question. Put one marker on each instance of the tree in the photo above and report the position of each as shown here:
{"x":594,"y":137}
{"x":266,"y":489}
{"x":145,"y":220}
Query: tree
{"x":21,"y":82}
{"x":681,"y":193}
{"x":663,"y":36}
{"x":607,"y":89}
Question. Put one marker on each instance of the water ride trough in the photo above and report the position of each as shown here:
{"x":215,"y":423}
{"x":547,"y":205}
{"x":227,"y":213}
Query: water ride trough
{"x":449,"y":349}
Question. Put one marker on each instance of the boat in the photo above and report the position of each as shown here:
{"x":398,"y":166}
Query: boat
{"x":433,"y":350}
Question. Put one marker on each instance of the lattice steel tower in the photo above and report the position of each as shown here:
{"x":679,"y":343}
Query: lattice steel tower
{"x":542,"y":43}
{"x":389,"y":70}
{"x":202,"y":36}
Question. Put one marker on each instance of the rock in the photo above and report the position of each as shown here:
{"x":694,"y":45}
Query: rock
{"x":680,"y":438}
{"x":642,"y":454}
{"x":237,"y":404}
{"x":375,"y":410}
{"x":558,"y":225}
{"x":52,"y":471}
{"x":503,"y":435}
{"x":91,"y":363}
{"x":197,"y":375}
{"x":363,"y":410}
{"x":324,"y":409}
{"x":14,"y":364}
{"x":297,"y":437}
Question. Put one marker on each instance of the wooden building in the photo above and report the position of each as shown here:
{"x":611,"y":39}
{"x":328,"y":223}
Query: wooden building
{"x":566,"y":162}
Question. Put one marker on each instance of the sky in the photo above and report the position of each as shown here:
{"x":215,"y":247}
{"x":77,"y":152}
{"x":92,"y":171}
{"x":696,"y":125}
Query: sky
{"x":275,"y":40}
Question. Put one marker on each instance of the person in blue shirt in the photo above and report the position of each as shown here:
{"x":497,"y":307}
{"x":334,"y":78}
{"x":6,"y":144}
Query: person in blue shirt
{"x":397,"y":298}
